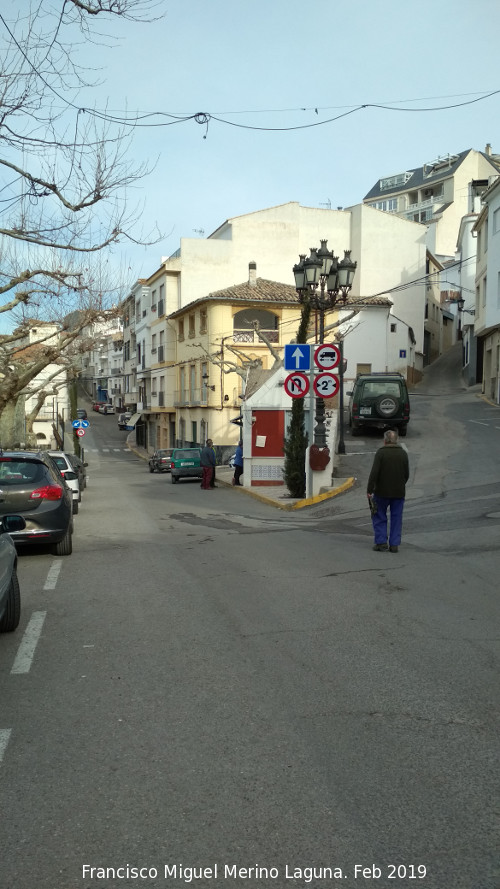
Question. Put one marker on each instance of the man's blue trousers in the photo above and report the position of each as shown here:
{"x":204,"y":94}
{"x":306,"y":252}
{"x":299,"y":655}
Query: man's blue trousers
{"x":395,"y":506}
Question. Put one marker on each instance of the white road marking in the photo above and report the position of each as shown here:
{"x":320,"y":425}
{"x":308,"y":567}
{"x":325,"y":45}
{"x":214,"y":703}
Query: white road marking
{"x":26,"y":650}
{"x":479,"y":423}
{"x":5,"y":734}
{"x":52,"y":575}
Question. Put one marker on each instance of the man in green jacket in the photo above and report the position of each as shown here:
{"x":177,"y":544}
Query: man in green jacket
{"x":386,"y":489}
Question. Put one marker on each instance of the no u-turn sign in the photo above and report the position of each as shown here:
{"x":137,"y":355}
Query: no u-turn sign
{"x":296,"y":385}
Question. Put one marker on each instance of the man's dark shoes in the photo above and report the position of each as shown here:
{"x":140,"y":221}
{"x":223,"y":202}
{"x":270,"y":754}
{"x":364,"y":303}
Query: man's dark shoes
{"x":381,"y":547}
{"x":393,"y":549}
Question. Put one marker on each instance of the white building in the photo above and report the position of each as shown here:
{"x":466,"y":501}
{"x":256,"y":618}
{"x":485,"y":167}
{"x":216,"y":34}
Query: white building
{"x":487,"y":291}
{"x":390,"y":253}
{"x":436,"y":194}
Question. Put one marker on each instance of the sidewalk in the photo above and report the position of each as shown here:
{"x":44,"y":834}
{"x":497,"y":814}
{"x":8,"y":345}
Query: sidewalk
{"x":276,"y":496}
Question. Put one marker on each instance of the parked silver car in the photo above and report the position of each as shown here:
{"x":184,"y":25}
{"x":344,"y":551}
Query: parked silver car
{"x":10,"y":596}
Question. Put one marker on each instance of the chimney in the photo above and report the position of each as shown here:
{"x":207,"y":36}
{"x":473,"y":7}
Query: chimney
{"x":252,"y":274}
{"x":487,"y":150}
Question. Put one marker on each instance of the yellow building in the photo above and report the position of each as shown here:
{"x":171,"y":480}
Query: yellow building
{"x":218,"y":339}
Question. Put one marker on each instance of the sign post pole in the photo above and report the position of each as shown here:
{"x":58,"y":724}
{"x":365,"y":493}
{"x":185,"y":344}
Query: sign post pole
{"x":341,"y":445}
{"x":312,"y":401}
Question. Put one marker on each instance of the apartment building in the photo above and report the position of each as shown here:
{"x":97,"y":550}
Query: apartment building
{"x":437,"y":194}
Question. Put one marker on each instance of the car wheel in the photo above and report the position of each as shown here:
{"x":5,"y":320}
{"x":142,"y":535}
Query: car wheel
{"x":75,"y":507}
{"x":402,"y":431}
{"x":10,"y":620}
{"x":386,"y":406}
{"x":151,"y":469}
{"x":65,"y":546}
{"x":174,"y":480}
{"x":355,"y":430}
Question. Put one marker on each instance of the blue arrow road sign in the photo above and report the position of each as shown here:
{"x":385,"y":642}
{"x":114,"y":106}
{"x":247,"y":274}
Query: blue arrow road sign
{"x":297,"y":356}
{"x":85,"y":424}
{"x":76,"y":424}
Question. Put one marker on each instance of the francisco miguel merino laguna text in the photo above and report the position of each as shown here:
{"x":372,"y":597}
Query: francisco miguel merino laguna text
{"x":226,"y":872}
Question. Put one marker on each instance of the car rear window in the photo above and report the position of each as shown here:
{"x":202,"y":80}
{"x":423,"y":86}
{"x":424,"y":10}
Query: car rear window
{"x":60,"y":463}
{"x":376,"y":388}
{"x":186,"y":455}
{"x":18,"y":472}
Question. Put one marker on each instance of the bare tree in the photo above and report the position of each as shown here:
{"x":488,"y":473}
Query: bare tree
{"x":64,"y":171}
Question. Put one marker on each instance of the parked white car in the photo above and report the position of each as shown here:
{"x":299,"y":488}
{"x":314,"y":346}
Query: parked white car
{"x":123,"y":420}
{"x":69,"y":475}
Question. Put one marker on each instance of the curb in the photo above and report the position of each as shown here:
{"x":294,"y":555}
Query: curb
{"x":299,"y":504}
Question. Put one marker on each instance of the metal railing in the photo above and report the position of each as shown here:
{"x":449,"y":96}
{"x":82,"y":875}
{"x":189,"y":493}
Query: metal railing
{"x":193,"y":397}
{"x":250,"y":336}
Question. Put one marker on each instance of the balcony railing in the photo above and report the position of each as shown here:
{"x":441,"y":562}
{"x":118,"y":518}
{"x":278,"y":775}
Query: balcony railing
{"x":250,"y":336}
{"x":190,"y":398}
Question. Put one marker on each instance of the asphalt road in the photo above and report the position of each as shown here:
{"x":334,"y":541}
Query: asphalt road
{"x":213,"y":683}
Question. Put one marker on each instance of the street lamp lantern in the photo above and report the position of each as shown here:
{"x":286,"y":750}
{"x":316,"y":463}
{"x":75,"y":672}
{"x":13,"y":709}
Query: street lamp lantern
{"x":326,"y":257}
{"x":460,"y":303}
{"x":300,"y":274}
{"x":346,"y":273}
{"x":313,"y":266}
{"x":332,"y":282}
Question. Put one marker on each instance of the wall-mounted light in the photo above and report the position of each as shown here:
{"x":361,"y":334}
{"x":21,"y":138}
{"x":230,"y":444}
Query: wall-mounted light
{"x":205,"y":377}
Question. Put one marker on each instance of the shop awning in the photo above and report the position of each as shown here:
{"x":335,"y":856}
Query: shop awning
{"x":134,"y":419}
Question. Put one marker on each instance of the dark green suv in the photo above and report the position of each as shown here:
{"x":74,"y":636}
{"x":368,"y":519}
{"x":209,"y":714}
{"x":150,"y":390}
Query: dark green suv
{"x":379,"y":401}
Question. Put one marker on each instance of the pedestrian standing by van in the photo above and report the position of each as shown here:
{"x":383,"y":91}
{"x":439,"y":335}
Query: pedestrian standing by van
{"x":207,"y":461}
{"x":386,"y":488}
{"x":238,"y":464}
{"x":212,"y":480}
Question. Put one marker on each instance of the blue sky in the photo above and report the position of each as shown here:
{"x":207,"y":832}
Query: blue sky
{"x":257,"y":64}
{"x":269,"y":64}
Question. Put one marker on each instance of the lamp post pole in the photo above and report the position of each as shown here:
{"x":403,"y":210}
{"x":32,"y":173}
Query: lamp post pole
{"x":323,"y":281}
{"x":341,"y":444}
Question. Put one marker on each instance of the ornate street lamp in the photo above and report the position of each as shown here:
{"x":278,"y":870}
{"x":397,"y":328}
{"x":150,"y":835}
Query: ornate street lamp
{"x":323,"y":282}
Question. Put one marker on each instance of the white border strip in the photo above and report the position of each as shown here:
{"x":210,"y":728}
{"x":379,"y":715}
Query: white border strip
{"x":52,"y":575}
{"x":26,"y":650}
{"x":5,"y":734}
